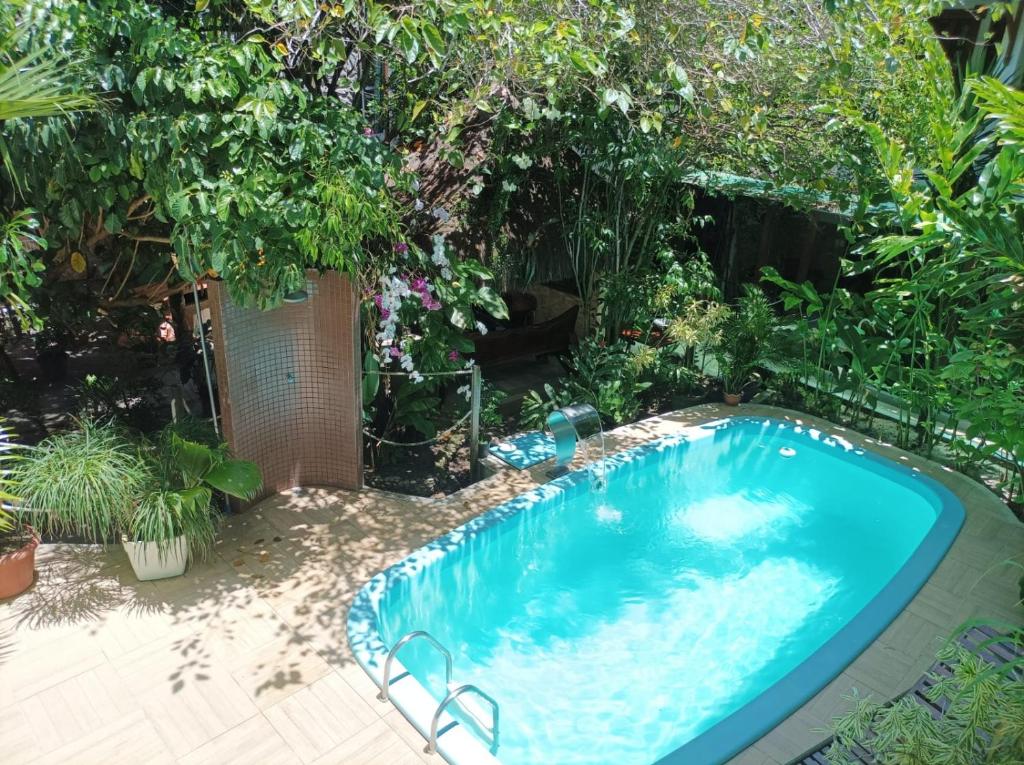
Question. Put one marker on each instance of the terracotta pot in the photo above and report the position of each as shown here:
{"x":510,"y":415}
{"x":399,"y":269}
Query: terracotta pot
{"x":17,"y":568}
{"x":732,"y":399}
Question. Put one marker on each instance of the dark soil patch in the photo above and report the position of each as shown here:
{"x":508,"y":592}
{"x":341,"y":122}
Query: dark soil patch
{"x":440,"y":469}
{"x":422,"y":471}
{"x":13,"y":540}
{"x":434,"y":470}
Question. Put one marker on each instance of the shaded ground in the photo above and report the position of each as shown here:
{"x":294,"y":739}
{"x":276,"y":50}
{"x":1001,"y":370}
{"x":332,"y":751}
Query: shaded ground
{"x":35,"y":407}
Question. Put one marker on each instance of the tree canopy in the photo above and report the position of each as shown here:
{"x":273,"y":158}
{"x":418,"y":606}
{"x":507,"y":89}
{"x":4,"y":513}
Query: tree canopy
{"x":254,"y":139}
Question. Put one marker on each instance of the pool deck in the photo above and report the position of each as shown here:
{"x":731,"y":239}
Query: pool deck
{"x":245,"y":659}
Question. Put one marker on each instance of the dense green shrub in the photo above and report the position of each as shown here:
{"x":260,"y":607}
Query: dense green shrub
{"x":606,"y":376}
{"x":750,"y":339}
{"x":983,"y":723}
{"x":940,"y":330}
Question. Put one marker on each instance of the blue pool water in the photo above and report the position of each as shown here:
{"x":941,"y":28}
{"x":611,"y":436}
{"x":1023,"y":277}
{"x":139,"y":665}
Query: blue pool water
{"x":718,"y":582}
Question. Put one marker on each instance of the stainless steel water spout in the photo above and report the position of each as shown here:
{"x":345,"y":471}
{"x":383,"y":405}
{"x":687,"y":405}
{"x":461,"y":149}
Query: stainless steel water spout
{"x":569,"y":425}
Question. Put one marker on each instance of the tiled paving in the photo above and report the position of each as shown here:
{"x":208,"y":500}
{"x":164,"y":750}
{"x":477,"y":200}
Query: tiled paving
{"x":245,"y":658}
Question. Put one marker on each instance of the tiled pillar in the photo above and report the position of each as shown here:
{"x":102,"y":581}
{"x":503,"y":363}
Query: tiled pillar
{"x":289,"y":384}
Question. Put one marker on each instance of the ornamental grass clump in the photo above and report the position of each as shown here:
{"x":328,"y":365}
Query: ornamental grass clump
{"x":98,"y":483}
{"x":82,"y":483}
{"x":983,"y":721}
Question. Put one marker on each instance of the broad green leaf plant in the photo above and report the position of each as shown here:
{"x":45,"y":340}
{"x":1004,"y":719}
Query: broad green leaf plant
{"x":178,"y":497}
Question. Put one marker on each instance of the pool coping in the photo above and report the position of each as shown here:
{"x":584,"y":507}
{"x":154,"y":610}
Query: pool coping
{"x":646,"y":435}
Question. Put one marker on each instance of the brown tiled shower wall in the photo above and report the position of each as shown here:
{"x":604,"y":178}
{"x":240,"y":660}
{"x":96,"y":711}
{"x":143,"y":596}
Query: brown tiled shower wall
{"x":288,"y":384}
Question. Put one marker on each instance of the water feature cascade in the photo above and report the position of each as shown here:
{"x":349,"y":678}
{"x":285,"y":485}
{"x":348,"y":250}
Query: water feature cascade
{"x":572,"y":425}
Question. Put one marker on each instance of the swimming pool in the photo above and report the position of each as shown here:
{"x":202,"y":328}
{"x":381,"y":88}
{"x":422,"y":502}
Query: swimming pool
{"x":721,"y":579}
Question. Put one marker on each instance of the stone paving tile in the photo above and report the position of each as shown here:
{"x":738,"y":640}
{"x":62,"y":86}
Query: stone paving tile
{"x":277,"y":670}
{"x":320,"y":717}
{"x":374,"y":744}
{"x":129,"y":740}
{"x":73,"y":708}
{"x":254,"y":742}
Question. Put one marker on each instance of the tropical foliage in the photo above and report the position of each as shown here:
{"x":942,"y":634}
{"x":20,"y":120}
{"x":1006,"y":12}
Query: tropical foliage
{"x":232,"y":128}
{"x":178,"y":497}
{"x":982,"y":722}
{"x":8,"y":457}
{"x":32,"y":85}
{"x":99,"y":481}
{"x":940,"y":332}
{"x":250,"y":140}
{"x":749,"y":339}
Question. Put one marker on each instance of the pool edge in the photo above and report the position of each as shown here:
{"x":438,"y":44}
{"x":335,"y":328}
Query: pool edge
{"x":938,"y":541}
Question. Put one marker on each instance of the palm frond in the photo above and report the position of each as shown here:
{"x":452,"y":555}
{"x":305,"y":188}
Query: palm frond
{"x":36,"y":86}
{"x":8,"y":456}
{"x":1003,"y":104}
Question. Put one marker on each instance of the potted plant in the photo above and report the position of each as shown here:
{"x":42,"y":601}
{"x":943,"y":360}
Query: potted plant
{"x":750,"y":339}
{"x":174,"y":517}
{"x":82,"y":483}
{"x":18,"y":541}
{"x":99,"y":484}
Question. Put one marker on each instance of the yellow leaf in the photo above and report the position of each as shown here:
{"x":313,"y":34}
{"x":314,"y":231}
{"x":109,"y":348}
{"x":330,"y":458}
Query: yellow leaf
{"x":77,"y":262}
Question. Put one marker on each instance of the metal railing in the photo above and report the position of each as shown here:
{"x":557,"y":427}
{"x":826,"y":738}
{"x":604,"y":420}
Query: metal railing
{"x":491,"y":730}
{"x":473,"y":415}
{"x":404,"y":640}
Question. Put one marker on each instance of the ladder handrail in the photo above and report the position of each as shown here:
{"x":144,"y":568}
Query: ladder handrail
{"x":407,"y":638}
{"x":491,"y":730}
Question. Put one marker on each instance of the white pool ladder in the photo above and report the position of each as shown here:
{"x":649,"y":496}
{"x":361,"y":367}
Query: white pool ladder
{"x":491,"y":731}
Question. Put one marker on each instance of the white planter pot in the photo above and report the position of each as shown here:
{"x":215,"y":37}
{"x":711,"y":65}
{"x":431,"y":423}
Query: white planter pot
{"x":148,"y":563}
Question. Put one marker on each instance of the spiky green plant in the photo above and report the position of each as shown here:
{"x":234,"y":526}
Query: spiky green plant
{"x":84,"y":482}
{"x":36,"y":86}
{"x":8,"y":459}
{"x":750,"y":338}
{"x":983,"y":722}
{"x":163,"y":515}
